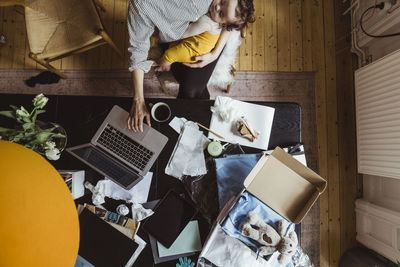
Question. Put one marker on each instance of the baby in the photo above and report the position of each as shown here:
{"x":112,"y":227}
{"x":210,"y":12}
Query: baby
{"x":188,"y":48}
{"x":202,"y":36}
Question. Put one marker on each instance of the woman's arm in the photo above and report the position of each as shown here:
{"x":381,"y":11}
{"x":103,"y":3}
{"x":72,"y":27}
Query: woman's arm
{"x":140,"y":29}
{"x":214,"y":54}
{"x":138,"y":109}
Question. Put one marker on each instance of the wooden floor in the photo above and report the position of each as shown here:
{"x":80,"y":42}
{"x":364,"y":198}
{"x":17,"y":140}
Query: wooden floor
{"x":289,"y":35}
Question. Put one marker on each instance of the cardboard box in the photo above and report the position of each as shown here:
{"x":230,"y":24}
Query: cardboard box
{"x":282,"y":183}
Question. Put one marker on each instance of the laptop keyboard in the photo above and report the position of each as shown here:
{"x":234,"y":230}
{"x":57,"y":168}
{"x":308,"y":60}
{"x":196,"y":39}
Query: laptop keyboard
{"x":124,"y":147}
{"x":119,"y":173}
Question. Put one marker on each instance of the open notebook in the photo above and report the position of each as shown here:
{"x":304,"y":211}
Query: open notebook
{"x":258,"y":116}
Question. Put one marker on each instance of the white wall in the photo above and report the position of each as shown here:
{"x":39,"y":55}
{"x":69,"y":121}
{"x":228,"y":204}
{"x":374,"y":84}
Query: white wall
{"x":382,"y":191}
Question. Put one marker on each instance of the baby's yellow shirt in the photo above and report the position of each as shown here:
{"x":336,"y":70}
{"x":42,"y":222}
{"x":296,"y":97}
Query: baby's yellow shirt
{"x":186,"y":49}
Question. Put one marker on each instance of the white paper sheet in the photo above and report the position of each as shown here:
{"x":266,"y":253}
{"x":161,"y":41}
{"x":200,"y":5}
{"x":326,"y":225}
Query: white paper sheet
{"x":259,"y":117}
{"x":138,"y":193}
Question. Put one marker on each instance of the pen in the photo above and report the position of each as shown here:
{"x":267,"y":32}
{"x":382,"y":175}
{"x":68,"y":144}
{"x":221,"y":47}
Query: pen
{"x":204,"y":127}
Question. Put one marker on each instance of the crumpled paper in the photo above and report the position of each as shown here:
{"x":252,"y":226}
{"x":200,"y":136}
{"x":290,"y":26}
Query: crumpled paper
{"x":101,"y":190}
{"x":187,"y":157}
{"x":225,"y":110}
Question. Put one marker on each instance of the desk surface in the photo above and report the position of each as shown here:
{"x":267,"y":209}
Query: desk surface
{"x":81,"y":116}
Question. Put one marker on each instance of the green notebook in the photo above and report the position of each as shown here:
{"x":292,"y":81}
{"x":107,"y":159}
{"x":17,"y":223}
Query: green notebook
{"x":187,"y":241}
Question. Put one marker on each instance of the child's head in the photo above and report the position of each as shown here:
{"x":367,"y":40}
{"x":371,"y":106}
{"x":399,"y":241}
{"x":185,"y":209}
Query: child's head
{"x":232,"y":14}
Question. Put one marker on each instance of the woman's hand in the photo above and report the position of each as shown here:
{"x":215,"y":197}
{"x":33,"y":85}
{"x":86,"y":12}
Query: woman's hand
{"x":137,"y":114}
{"x":202,"y":61}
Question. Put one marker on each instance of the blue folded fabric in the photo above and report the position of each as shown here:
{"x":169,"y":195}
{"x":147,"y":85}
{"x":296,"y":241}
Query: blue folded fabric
{"x":231,"y":172}
{"x":246,"y":203}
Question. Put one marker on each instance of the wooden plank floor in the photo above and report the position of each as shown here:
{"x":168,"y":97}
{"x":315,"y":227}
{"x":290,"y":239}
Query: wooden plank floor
{"x":289,"y":35}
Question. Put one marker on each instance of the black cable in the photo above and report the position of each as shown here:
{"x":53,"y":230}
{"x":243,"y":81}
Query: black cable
{"x":380,"y":6}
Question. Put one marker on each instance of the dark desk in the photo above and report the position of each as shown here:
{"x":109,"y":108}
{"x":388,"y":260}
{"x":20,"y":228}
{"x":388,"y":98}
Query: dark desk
{"x":81,"y":116}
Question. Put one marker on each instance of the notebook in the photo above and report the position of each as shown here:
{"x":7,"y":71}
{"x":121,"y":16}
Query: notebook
{"x":101,"y":244}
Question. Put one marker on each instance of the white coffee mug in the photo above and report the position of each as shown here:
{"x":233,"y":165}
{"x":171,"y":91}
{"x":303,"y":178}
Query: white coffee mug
{"x":160,"y":112}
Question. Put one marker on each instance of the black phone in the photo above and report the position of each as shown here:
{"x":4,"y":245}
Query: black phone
{"x":171,"y":215}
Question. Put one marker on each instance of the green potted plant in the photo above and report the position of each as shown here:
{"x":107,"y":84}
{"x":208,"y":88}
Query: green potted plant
{"x":48,"y":139}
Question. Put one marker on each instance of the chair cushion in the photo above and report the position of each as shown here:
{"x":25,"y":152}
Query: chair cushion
{"x":56,"y":27}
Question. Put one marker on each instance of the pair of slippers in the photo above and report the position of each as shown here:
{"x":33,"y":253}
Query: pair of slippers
{"x":45,"y":77}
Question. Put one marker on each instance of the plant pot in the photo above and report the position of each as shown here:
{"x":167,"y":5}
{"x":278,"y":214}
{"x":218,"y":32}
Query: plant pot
{"x":61,"y":142}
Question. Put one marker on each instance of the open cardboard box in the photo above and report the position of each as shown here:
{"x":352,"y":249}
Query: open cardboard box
{"x":282,"y":183}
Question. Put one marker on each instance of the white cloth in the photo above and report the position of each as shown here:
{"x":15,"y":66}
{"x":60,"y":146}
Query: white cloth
{"x":224,"y":250}
{"x":188,"y":156}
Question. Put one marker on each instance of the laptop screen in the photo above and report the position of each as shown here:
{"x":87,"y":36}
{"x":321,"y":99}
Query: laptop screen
{"x":106,"y":165}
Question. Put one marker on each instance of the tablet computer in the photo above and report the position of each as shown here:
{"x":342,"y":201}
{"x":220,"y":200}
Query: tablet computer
{"x":171,"y":215}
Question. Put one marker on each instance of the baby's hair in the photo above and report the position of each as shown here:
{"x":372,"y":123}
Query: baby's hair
{"x":245,"y":15}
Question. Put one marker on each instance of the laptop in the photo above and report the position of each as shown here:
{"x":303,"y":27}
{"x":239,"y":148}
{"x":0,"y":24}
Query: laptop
{"x":118,"y":153}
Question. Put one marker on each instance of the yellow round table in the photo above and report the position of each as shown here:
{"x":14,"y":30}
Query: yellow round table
{"x":38,"y":224}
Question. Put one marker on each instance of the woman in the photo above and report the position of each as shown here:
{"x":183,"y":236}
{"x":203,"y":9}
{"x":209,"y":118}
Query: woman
{"x":172,"y":19}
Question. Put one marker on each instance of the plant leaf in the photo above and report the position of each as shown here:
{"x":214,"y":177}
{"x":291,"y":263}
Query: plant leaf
{"x":43,"y":136}
{"x":26,"y":119}
{"x":58,"y":135}
{"x":37,"y":112}
{"x":17,"y":137}
{"x":8,"y":113}
{"x":4,"y":130}
{"x":28,"y":125}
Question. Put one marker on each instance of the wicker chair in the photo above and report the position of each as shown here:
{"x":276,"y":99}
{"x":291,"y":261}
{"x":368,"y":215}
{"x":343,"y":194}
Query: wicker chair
{"x":60,"y":28}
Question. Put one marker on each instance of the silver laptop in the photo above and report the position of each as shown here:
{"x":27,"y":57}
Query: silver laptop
{"x":119,"y":153}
